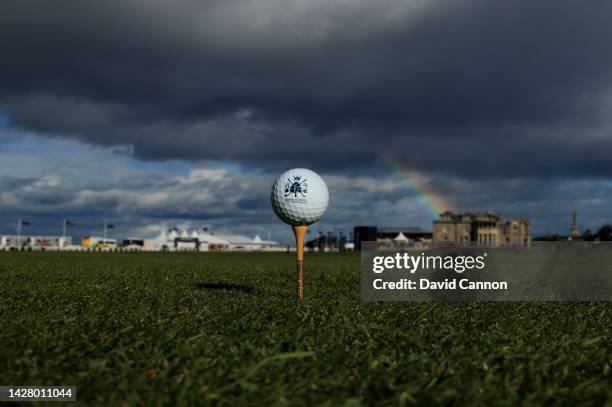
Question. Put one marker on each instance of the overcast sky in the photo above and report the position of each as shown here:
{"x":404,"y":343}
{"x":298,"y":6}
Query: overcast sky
{"x":181,"y":113}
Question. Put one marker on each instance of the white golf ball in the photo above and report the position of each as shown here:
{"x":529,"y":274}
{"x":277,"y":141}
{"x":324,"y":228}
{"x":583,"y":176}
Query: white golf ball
{"x":299,"y":197}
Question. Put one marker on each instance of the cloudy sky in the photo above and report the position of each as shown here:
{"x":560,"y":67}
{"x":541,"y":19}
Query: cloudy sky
{"x":181,"y":113}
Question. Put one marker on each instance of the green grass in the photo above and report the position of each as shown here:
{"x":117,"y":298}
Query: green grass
{"x":162,"y":329}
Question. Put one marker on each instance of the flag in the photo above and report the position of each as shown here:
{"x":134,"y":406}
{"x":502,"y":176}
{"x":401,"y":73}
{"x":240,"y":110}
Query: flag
{"x":69,"y":223}
{"x":109,"y":226}
{"x":25,"y":223}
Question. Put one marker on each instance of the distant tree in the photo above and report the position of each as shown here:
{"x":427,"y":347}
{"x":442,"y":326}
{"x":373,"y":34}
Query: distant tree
{"x":604,"y":233}
{"x":587,"y":235}
{"x":549,"y":238}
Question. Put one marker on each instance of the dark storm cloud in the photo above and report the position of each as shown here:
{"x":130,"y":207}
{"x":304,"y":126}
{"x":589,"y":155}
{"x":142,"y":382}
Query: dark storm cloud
{"x":458,"y":87}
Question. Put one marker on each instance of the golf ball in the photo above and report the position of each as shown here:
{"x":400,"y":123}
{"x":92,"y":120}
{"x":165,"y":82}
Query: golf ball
{"x":299,"y":197}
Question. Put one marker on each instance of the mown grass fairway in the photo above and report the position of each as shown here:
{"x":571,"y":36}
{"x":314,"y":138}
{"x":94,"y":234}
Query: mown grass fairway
{"x":223,"y":329}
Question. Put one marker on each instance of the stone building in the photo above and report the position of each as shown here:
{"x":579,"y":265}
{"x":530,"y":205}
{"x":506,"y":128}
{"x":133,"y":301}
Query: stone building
{"x":483,"y":228}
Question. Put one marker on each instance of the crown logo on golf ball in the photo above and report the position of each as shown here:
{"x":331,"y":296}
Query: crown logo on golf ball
{"x":295,"y":187}
{"x":299,"y":197}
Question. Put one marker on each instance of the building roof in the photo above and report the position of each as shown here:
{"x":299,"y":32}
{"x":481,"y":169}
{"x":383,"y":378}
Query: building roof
{"x":487,"y":216}
{"x":207,"y":237}
{"x":258,"y":240}
{"x":405,"y":230}
{"x":237,"y":239}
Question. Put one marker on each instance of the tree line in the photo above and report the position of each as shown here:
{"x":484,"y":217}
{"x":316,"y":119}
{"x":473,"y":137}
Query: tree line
{"x":604,"y":234}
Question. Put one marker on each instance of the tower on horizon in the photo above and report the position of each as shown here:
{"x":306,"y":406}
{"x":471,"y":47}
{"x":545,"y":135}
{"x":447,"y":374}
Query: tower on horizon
{"x":574,"y":233}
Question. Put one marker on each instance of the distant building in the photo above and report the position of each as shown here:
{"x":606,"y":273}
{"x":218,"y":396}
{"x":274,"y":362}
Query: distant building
{"x":238,"y":242}
{"x":397,"y":235}
{"x":325,"y":243}
{"x":96,"y":242}
{"x":483,"y":228}
{"x":207,"y":241}
{"x":364,"y":234}
{"x":28,"y":242}
{"x":137,"y":243}
{"x":174,"y":242}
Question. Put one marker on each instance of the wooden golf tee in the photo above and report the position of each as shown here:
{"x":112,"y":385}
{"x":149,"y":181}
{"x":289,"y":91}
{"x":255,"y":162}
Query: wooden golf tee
{"x":300,"y":233}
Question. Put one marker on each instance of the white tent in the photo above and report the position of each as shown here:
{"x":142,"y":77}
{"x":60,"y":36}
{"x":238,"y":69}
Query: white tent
{"x":208,"y":241}
{"x":260,"y":244}
{"x":258,"y":240}
{"x":401,"y":238}
{"x":162,"y":240}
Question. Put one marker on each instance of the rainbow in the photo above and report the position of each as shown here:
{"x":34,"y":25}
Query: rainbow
{"x":434,"y":202}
